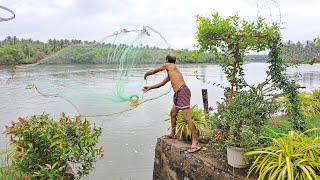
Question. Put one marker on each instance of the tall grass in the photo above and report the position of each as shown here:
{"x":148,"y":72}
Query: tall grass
{"x":7,"y":170}
{"x":314,"y":122}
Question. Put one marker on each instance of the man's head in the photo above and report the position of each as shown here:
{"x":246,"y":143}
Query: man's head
{"x":171,"y":58}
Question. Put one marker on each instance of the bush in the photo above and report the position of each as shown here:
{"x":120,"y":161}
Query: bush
{"x":44,"y":146}
{"x":240,"y":123}
{"x":310,"y":102}
{"x":199,"y":119}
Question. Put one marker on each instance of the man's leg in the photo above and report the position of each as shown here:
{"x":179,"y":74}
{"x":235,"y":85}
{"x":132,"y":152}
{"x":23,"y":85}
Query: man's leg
{"x":173,"y":115}
{"x":187,"y":117}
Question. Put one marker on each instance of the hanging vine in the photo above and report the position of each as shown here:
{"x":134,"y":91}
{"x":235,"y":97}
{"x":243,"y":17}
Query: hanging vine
{"x":290,"y":88}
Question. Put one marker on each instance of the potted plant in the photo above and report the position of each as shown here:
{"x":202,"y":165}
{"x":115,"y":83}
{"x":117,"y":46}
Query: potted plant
{"x":240,"y":123}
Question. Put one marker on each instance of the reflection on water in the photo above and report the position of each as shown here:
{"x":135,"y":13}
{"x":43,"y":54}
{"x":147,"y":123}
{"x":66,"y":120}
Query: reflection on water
{"x":308,"y":77}
{"x":128,"y":138}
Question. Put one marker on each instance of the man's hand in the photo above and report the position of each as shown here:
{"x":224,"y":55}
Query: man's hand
{"x":145,"y":75}
{"x":146,"y":88}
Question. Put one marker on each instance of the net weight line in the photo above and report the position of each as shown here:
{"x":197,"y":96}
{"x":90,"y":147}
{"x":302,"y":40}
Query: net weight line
{"x":142,"y":101}
{"x":30,"y":86}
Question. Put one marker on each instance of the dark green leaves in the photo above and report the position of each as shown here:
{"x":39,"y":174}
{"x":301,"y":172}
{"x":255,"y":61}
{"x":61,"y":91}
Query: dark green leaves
{"x":45,"y":146}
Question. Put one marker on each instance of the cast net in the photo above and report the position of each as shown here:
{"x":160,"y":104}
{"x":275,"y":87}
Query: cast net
{"x":102,"y":78}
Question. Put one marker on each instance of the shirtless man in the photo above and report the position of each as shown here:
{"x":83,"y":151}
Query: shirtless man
{"x":181,"y":98}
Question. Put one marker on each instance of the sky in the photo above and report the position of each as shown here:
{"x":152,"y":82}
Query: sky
{"x":174,"y":19}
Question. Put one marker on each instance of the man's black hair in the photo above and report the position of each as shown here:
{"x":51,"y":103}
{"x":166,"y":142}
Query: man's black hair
{"x":171,"y":58}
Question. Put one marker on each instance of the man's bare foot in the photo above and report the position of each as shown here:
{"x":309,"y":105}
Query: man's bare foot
{"x":169,"y":136}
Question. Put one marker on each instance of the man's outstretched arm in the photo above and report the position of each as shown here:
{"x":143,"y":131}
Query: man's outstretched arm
{"x":158,"y":69}
{"x":165,"y":80}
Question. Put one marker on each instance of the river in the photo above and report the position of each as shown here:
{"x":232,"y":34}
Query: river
{"x":128,"y":138}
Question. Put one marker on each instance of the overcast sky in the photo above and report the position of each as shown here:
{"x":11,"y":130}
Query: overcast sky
{"x":175,"y":19}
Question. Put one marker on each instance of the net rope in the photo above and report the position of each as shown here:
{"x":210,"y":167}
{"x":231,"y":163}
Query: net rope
{"x":8,"y":10}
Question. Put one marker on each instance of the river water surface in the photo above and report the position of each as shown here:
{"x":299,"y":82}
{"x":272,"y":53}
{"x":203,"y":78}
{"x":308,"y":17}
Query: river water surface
{"x":128,"y":138}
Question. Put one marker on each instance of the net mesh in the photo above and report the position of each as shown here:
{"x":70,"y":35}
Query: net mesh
{"x":103,"y":78}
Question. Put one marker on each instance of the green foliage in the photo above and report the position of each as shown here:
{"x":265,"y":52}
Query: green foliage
{"x":241,"y":122}
{"x":290,"y":89}
{"x":217,"y":32}
{"x":292,"y":156}
{"x":25,"y":51}
{"x":186,"y":56}
{"x":7,"y":170}
{"x":302,"y":52}
{"x":198,"y":117}
{"x":310,"y":102}
{"x":314,"y":122}
{"x":317,"y":41}
{"x":223,"y":36}
{"x":11,"y":55}
{"x":230,"y":38}
{"x":28,"y":50}
{"x":7,"y":152}
{"x":44,"y":146}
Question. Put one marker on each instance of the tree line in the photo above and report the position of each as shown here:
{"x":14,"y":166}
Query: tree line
{"x":27,"y":51}
{"x":300,"y":52}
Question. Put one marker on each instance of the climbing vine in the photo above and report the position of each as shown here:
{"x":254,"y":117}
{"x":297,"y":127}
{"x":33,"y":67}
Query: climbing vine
{"x":290,"y":88}
{"x":230,"y":38}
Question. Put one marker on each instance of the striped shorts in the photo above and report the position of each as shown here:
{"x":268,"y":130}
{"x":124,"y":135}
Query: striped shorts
{"x":181,"y":98}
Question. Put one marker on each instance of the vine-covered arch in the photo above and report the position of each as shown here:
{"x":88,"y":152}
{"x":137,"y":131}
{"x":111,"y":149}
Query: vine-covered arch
{"x":230,"y":38}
